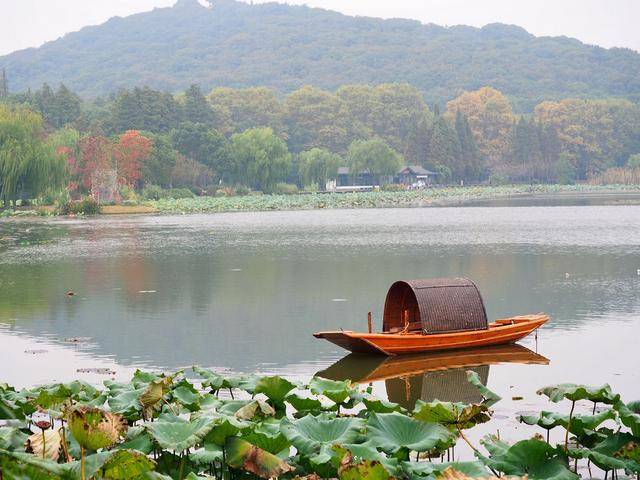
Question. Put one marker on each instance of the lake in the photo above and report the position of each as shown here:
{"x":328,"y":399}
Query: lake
{"x":243,"y":292}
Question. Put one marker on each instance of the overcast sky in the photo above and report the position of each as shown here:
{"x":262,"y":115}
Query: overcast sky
{"x":609,"y":23}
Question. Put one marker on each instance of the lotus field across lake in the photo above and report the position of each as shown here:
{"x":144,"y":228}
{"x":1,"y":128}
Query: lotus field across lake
{"x":160,"y":426}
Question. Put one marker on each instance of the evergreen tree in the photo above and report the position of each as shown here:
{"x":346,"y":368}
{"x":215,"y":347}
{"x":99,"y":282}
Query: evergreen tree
{"x":196,"y":107}
{"x":470,"y":157}
{"x":4,"y":84}
{"x":444,"y":149}
{"x":67,"y":107}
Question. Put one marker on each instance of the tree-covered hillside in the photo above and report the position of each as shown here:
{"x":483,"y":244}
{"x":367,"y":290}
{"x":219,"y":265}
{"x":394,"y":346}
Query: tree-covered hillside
{"x":284,"y":47}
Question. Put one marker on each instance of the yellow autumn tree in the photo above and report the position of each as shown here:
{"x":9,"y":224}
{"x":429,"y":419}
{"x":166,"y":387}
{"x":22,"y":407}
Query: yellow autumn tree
{"x":490,"y":117}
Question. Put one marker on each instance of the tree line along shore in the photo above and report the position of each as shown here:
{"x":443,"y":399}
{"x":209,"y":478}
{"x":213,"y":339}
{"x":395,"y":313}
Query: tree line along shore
{"x":142,"y":145}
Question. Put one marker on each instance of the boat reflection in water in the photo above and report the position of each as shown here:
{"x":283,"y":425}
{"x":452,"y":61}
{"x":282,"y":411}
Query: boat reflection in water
{"x":428,"y":377}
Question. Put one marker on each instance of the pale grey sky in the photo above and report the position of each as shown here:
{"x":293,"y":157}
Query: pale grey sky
{"x":609,"y":23}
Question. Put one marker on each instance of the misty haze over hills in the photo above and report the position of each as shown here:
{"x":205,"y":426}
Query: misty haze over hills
{"x":284,"y":47}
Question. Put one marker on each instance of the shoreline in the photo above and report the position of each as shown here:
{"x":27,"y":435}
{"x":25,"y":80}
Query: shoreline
{"x":431,"y":197}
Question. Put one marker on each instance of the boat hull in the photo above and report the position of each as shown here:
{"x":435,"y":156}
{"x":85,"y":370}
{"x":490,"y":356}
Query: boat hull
{"x":500,"y":332}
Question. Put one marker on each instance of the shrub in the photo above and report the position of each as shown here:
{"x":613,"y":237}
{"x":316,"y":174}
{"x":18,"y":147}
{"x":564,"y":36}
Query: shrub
{"x":241,"y":190}
{"x":177,"y":193}
{"x":153,"y":192}
{"x":285,"y":189}
{"x":86,"y":206}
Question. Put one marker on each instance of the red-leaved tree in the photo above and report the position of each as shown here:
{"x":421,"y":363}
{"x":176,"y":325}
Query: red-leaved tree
{"x":131,"y":150}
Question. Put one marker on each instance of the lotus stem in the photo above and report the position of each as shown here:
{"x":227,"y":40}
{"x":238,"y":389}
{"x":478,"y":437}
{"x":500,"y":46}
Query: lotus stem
{"x":181,"y":473}
{"x":44,"y":444}
{"x":82,"y":465}
{"x":594,"y":408}
{"x":463,"y":436}
{"x":65,"y":448}
{"x":566,"y":437}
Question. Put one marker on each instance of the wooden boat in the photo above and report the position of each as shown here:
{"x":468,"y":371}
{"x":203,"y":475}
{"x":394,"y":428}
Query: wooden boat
{"x":434,"y":315}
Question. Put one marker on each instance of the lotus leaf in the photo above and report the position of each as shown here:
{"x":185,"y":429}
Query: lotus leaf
{"x":152,"y":396}
{"x":335,"y":390}
{"x":267,"y":436}
{"x":580,"y":426}
{"x":255,"y":408}
{"x":397,"y":433}
{"x":275,"y":388}
{"x":187,"y":395}
{"x":431,"y":470}
{"x":177,"y":434}
{"x":451,"y":415}
{"x":574,"y":392}
{"x":209,"y":454}
{"x":618,"y":451}
{"x":45,"y":444}
{"x":630,"y":415}
{"x":364,"y":470}
{"x":367,"y":451}
{"x":20,"y":465}
{"x":304,"y":405}
{"x":490,"y":398}
{"x":9,"y":410}
{"x":378,"y":405}
{"x":211,"y":379}
{"x":114,"y":465}
{"x":224,"y":426}
{"x":314,"y":436}
{"x":244,"y":456}
{"x":11,"y":438}
{"x":126,"y":402}
{"x":94,"y":428}
{"x":534,"y":458}
{"x":137,"y":439}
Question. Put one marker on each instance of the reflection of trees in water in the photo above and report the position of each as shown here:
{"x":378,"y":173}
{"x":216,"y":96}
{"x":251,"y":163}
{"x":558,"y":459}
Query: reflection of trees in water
{"x":444,"y":385}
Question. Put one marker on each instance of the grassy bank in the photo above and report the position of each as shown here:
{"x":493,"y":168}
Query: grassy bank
{"x":313,"y":201}
{"x":379,"y":199}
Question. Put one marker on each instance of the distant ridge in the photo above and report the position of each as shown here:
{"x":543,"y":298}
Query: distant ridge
{"x":284,"y":47}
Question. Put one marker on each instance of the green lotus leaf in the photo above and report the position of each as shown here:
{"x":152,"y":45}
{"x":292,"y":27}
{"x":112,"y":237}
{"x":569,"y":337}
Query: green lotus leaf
{"x":187,"y":395}
{"x":94,"y":428}
{"x":580,"y":426}
{"x":125,"y":400}
{"x":267,"y":436}
{"x":224,"y":426}
{"x":452,"y":415}
{"x":176,"y":434}
{"x":211,"y":380}
{"x":630,"y":415}
{"x":431,"y":470}
{"x":395,"y":432}
{"x":617,"y":451}
{"x":534,"y":458}
{"x":315,"y":435}
{"x":137,"y":439}
{"x":112,"y":464}
{"x":490,"y":397}
{"x":304,"y":405}
{"x":10,"y":411}
{"x":20,"y":465}
{"x":335,"y":390}
{"x":206,"y":456}
{"x":242,"y":455}
{"x":378,"y":405}
{"x":11,"y":438}
{"x":275,"y":388}
{"x":573,"y":392}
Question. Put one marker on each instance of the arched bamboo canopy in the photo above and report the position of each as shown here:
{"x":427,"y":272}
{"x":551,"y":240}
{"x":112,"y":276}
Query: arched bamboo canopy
{"x":434,"y":306}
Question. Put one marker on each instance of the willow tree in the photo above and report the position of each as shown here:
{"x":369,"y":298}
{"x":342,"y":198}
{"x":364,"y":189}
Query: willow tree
{"x":28,"y":163}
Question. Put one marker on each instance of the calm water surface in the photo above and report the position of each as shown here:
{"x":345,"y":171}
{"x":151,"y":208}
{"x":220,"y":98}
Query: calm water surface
{"x":242,"y":292}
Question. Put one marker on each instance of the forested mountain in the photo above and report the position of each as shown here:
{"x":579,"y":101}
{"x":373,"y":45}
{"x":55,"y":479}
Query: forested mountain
{"x":284,"y":47}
